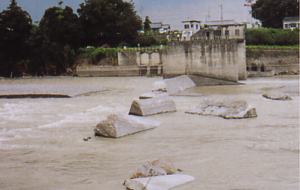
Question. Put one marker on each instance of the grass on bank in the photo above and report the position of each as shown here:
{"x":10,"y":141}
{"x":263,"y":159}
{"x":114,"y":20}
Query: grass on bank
{"x":273,"y":47}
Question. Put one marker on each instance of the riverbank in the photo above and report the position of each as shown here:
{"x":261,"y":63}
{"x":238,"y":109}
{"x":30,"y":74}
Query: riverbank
{"x":272,"y":60}
{"x":42,"y":146}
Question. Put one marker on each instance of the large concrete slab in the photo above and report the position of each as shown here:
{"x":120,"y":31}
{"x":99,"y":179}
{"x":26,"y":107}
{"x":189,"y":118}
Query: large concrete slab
{"x":117,"y":125}
{"x":178,"y":84}
{"x":152,"y":106}
{"x":225,"y":109}
{"x":158,"y":182}
{"x":277,"y":96}
{"x":155,"y":94}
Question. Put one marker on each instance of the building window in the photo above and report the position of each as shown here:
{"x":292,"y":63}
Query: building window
{"x":226,"y":32}
{"x":286,"y":26}
{"x":217,"y":33}
{"x":293,"y":25}
{"x":197,"y":26}
{"x":192,"y":26}
{"x":207,"y":35}
{"x":186,"y":26}
{"x":237,"y":32}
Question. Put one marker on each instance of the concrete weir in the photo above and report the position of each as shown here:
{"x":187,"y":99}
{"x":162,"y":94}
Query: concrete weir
{"x":21,"y":96}
{"x":222,"y":59}
{"x":219,"y":59}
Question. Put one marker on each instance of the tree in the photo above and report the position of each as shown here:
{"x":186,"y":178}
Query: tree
{"x":109,"y":22}
{"x":272,"y":12}
{"x":15,"y":27}
{"x":147,"y":24}
{"x":55,"y":41}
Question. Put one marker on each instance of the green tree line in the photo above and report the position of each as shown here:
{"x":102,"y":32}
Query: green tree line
{"x":272,"y":37}
{"x":50,"y":47}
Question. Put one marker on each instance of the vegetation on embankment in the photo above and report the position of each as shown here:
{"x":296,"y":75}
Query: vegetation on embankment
{"x":272,"y":47}
{"x":98,"y":53}
{"x":272,"y":37}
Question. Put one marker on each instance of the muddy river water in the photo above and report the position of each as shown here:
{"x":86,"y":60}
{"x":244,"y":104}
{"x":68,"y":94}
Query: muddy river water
{"x":42,"y":147}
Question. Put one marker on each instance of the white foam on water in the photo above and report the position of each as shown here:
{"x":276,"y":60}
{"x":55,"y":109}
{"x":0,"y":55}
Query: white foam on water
{"x":23,"y":111}
{"x":90,"y":116}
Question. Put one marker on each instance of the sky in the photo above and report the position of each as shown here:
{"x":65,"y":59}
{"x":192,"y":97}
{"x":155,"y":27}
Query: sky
{"x":167,"y":11}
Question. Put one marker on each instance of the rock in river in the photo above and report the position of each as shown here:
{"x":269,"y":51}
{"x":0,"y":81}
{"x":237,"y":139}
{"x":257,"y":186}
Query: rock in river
{"x":158,"y":182}
{"x":116,"y":126}
{"x":152,"y":106}
{"x":156,"y":175}
{"x":155,"y":168}
{"x":178,"y":84}
{"x":277,"y":96}
{"x":153,"y":94}
{"x":227,"y":109}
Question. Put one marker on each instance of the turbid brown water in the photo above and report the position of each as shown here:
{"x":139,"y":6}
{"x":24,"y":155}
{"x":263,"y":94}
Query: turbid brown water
{"x":42,"y":147}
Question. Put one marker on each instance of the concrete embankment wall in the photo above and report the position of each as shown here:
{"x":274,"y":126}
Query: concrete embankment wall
{"x":220,"y":59}
{"x":279,"y":61}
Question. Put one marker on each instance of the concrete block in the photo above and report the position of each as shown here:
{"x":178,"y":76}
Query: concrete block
{"x":226,"y":110}
{"x":178,"y":84}
{"x":116,"y":126}
{"x":165,"y":182}
{"x":152,"y":106}
{"x":154,"y":94}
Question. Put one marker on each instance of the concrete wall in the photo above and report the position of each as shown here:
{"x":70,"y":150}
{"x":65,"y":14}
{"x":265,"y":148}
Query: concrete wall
{"x":220,"y":59}
{"x":107,"y":71}
{"x":215,"y":58}
{"x":278,"y":61}
{"x":140,"y":58}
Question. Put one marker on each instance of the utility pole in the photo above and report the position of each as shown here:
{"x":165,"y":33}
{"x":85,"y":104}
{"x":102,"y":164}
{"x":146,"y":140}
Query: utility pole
{"x":221,"y":10}
{"x":207,"y":16}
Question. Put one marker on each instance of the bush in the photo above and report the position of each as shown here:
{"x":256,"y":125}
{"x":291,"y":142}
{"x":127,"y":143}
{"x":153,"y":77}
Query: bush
{"x":147,"y":40}
{"x":268,"y":36}
{"x":99,"y":53}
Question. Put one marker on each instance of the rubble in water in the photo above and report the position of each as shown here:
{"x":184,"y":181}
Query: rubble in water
{"x":227,"y":109}
{"x":178,"y":84}
{"x":277,"y":96}
{"x":154,"y":94}
{"x":116,"y":126}
{"x":156,"y":175}
{"x":152,"y":106}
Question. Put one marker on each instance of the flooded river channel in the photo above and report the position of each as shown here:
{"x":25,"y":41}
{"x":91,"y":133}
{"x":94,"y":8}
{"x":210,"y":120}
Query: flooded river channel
{"x":42,"y":147}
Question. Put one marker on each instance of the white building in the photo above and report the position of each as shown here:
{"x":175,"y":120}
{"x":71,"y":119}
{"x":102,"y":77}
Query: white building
{"x":159,"y":27}
{"x":291,"y":23}
{"x":251,"y":25}
{"x":190,"y":28}
{"x":229,"y":29}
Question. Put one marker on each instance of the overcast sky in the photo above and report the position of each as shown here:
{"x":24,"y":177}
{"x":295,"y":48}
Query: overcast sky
{"x":167,"y":11}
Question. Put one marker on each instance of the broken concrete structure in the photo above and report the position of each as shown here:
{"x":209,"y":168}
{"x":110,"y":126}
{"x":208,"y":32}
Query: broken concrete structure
{"x":223,"y":59}
{"x":155,"y":168}
{"x":116,"y":126}
{"x":156,"y":175}
{"x":178,"y":84}
{"x":277,"y":96}
{"x":220,"y":59}
{"x":152,"y":106}
{"x":164,"y":182}
{"x":154,"y":94}
{"x":227,"y":109}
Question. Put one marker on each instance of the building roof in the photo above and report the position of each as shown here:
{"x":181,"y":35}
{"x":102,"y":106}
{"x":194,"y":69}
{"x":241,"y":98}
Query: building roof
{"x":159,"y":25}
{"x":222,"y":23}
{"x":186,"y":21}
{"x":291,"y":19}
{"x":166,"y":26}
{"x":156,"y":25}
